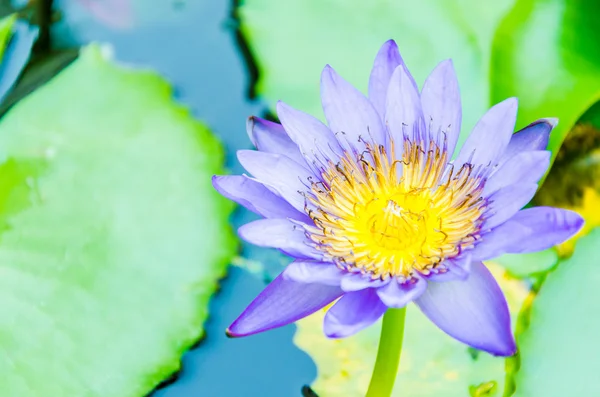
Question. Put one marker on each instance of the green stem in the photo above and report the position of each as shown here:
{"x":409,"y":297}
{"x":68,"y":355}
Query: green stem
{"x":388,"y":354}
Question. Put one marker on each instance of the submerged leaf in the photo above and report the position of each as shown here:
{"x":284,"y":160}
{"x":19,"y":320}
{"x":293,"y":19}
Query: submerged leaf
{"x":433,"y":364}
{"x":112,"y":237}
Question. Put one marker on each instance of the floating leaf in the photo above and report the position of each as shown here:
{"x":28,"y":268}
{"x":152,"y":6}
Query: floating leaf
{"x":6,"y":28}
{"x":547,"y":53}
{"x":559,"y":349}
{"x":433,"y":364}
{"x":112,"y":238}
{"x":293,"y":40}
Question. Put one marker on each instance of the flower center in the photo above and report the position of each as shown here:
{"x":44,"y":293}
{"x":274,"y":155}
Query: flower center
{"x":375,"y":214}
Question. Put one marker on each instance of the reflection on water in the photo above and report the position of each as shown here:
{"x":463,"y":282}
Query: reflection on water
{"x":192,"y":43}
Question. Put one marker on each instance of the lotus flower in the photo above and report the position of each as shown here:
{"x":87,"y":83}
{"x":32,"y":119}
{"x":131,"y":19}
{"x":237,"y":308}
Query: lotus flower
{"x":377,"y":214}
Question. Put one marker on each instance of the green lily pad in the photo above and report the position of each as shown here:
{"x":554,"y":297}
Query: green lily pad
{"x":432,"y":364}
{"x":6,"y":28}
{"x":559,"y":349}
{"x":112,"y":238}
{"x":293,"y":40}
{"x":547,"y":52}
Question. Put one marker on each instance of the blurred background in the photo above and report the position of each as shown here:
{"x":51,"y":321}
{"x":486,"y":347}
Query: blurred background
{"x":119,"y":264}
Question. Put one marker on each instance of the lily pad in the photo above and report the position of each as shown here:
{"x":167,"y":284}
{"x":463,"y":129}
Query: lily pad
{"x":547,"y":53}
{"x":6,"y":28}
{"x":559,"y":349}
{"x":432,"y":364}
{"x":112,"y":238}
{"x":293,"y":40}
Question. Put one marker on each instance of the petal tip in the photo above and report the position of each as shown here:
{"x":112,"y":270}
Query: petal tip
{"x":216,"y":180}
{"x":512,"y":102}
{"x":230,"y":334}
{"x":334,"y":335}
{"x":243,"y":155}
{"x":242,"y":232}
{"x":391,"y":48}
{"x":506,"y":350}
{"x":552,"y":121}
{"x":579,"y":221}
{"x":328,"y":74}
{"x":281,"y":107}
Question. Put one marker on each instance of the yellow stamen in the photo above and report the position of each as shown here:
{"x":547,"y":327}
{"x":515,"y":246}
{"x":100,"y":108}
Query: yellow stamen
{"x":386,"y":217}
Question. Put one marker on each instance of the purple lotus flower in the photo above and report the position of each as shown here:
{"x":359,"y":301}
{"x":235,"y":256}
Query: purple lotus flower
{"x":376,"y":213}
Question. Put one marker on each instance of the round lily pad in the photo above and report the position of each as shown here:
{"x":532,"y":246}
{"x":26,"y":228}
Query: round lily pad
{"x":112,"y":237}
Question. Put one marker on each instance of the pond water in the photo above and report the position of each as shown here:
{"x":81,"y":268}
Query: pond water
{"x":193,"y":44}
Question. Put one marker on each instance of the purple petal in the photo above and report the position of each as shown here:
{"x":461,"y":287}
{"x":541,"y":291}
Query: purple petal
{"x":316,"y":142}
{"x":440,"y":99}
{"x":279,"y":173}
{"x":350,"y":114}
{"x":397,"y":295}
{"x":282,"y":234}
{"x":271,"y":138}
{"x":504,"y":203}
{"x":356,"y":281}
{"x":280,"y":303}
{"x":352,"y":313}
{"x":491,"y":135}
{"x":387,"y":60}
{"x":525,"y":167}
{"x":500,"y":240}
{"x":473,"y":311}
{"x":533,"y":137}
{"x":403,"y":114}
{"x":548,"y":227}
{"x":256,"y":197}
{"x":313,"y":272}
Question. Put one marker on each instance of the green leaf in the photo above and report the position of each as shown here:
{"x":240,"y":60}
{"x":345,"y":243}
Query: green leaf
{"x":547,"y":52}
{"x":112,"y":237}
{"x":432,"y":363}
{"x":293,"y":40}
{"x":559,"y":349}
{"x":6,"y":29}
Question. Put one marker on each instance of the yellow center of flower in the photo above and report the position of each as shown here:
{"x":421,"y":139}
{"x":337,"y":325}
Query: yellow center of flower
{"x":376,"y":214}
